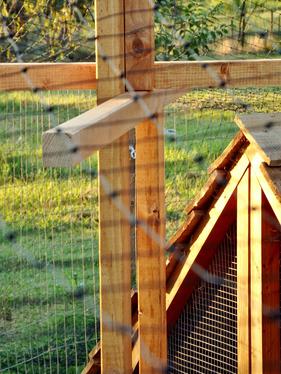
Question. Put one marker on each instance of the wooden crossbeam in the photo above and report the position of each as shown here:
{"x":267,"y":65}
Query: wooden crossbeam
{"x":47,"y":76}
{"x":210,"y":74}
{"x":169,"y":74}
{"x":71,"y":142}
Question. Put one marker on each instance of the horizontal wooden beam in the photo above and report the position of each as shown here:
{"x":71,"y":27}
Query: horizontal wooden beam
{"x":170,"y":74}
{"x":210,"y":74}
{"x":73,"y":141}
{"x":47,"y":76}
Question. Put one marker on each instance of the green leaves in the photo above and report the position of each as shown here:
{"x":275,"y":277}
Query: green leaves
{"x":46,"y":30}
{"x":191,"y":28}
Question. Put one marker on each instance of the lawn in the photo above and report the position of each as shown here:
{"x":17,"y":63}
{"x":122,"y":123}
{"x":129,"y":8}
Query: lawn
{"x":49,"y":299}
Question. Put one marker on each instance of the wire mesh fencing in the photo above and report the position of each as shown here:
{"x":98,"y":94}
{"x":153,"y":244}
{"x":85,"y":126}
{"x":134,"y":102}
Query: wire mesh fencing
{"x":49,"y":309}
{"x":49,"y":258}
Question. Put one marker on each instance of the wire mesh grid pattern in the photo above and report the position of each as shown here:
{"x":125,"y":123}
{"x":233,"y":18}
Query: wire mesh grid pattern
{"x":49,"y":307}
{"x":204,"y":339}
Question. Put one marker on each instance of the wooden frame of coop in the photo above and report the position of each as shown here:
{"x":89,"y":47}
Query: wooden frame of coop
{"x":244,"y":187}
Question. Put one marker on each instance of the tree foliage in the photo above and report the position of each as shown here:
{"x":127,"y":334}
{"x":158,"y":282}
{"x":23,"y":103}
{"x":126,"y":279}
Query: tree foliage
{"x":45,"y":30}
{"x":192,"y":27}
{"x":51,"y":30}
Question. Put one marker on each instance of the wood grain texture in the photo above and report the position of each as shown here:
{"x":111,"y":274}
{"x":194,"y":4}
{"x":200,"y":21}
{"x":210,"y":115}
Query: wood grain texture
{"x":151,"y":268}
{"x":269,"y":179}
{"x":270,"y":290}
{"x":73,"y":141}
{"x":176,"y":75}
{"x":243,"y":273}
{"x":265,"y":291}
{"x":178,"y":243}
{"x":272,"y":189}
{"x":210,"y":74}
{"x":263,"y":130}
{"x":256,"y":276}
{"x":47,"y":76}
{"x":115,"y":276}
{"x":139,"y":44}
{"x":109,"y":15}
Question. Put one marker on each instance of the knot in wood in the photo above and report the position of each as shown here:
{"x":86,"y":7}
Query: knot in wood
{"x":225,"y":72}
{"x":138,"y":47}
{"x":154,"y":216}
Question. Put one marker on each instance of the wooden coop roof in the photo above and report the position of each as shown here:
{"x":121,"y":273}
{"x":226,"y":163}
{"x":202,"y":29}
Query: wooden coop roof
{"x":258,"y":143}
{"x":260,"y":134}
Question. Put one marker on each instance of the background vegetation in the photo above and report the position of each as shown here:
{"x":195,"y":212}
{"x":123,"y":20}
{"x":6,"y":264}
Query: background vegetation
{"x":49,"y":315}
{"x":53,"y":30}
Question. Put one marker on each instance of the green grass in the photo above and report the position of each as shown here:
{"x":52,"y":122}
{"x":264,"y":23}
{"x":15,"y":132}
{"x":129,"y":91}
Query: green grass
{"x":49,"y":243}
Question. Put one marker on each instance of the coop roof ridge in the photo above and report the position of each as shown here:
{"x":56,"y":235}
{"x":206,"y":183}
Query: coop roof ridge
{"x":263,"y":130}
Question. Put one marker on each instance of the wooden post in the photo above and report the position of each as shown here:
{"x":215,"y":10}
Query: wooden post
{"x":139,"y":24}
{"x":114,"y":231}
{"x":243,"y":273}
{"x":265,"y":332}
{"x":150,"y":251}
{"x":270,"y":290}
{"x":256,"y":275}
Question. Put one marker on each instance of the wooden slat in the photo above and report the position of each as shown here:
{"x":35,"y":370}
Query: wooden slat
{"x":94,"y":364}
{"x":207,"y":225}
{"x":238,"y":143}
{"x":256,"y":275}
{"x":191,"y":267}
{"x":115,"y":276}
{"x":270,"y":290}
{"x":216,"y":181}
{"x":265,"y":295}
{"x":47,"y":76}
{"x":204,"y":74}
{"x":184,"y":232}
{"x":75,"y":140}
{"x":263,"y":130}
{"x":139,"y":41}
{"x":243,"y":274}
{"x":150,"y":248}
{"x":268,"y":177}
{"x":177,"y":75}
{"x":179,"y":241}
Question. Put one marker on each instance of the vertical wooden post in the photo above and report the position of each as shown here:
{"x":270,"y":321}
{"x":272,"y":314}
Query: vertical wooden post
{"x":114,"y":231}
{"x":265,"y":299}
{"x":150,"y":252}
{"x":139,"y":44}
{"x":270,"y":290}
{"x":139,"y":25}
{"x":256,"y":275}
{"x":243,"y":273}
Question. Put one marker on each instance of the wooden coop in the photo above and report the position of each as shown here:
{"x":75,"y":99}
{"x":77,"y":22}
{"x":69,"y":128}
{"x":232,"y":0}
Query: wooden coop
{"x":223,"y":275}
